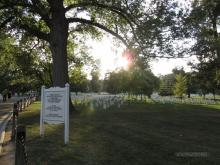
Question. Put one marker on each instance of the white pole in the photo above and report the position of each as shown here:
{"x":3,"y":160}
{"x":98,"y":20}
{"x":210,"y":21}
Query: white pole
{"x":66,"y":133}
{"x":41,"y":112}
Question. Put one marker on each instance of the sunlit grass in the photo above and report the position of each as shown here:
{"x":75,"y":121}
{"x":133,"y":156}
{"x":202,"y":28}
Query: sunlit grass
{"x":135,"y":134}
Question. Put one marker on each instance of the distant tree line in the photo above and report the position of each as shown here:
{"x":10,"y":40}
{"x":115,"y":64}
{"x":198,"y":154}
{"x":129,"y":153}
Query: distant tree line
{"x":180,"y":83}
{"x":134,"y":81}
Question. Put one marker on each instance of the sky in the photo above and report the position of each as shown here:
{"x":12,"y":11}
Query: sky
{"x":110,"y":57}
{"x":108,"y":54}
{"x":165,"y":66}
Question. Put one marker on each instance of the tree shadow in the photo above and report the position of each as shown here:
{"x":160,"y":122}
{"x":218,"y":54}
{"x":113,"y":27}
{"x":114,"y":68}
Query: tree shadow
{"x":132,"y":134}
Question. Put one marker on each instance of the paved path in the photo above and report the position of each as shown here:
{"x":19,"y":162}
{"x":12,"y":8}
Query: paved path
{"x":6,"y":109}
{"x":6,"y":145}
{"x":5,"y":114}
{"x":7,"y":157}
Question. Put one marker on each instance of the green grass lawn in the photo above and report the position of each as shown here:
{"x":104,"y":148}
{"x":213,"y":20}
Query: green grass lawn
{"x":150,"y":134}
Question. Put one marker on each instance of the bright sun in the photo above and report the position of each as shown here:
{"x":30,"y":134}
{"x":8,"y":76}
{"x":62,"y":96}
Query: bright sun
{"x":123,"y":63}
{"x":110,"y":56}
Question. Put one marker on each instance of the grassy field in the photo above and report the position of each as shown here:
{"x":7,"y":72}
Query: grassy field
{"x":141,"y":134}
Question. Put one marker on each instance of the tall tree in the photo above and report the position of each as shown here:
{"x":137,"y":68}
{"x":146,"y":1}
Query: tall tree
{"x":95,"y":84}
{"x":53,"y":20}
{"x":192,"y":83}
{"x":201,"y":26}
{"x":19,"y":66}
{"x":6,"y":63}
{"x":180,"y":86}
{"x":142,"y":81}
{"x":206,"y":78}
{"x":166,"y":85}
{"x":203,"y":22}
{"x":133,"y":81}
{"x":78,"y":80}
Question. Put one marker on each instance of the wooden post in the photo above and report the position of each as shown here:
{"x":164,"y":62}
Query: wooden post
{"x":20,"y":104}
{"x":20,"y":139}
{"x":29,"y":100}
{"x":13,"y":122}
{"x":24,"y":102}
{"x":15,"y":115}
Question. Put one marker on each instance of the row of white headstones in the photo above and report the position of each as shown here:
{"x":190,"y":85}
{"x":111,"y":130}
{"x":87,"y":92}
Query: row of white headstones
{"x":100,"y":101}
{"x":95,"y":101}
{"x":185,"y":100}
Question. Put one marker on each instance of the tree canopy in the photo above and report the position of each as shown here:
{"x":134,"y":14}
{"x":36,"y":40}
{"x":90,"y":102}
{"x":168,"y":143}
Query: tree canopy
{"x":138,"y":24}
{"x":44,"y":34}
{"x":133,"y":81}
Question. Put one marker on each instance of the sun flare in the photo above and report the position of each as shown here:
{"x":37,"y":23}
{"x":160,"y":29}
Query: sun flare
{"x":112,"y":57}
{"x":123,"y":63}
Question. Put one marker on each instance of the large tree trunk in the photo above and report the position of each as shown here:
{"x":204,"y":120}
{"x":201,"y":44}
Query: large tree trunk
{"x":58,"y":45}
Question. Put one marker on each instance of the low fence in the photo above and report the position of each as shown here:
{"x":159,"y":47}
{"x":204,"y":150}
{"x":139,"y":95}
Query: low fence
{"x":19,"y":131}
{"x":21,"y":157}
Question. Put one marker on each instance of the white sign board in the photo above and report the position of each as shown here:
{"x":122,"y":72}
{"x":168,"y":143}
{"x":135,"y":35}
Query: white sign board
{"x":55,"y":108}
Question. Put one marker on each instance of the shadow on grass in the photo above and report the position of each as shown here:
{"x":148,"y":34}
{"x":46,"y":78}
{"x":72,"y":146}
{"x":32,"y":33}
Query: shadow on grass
{"x":133,"y":135}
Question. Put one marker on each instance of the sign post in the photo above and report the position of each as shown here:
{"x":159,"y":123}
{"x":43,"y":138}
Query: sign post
{"x":55,"y":108}
{"x":41,"y":112}
{"x":66,"y":134}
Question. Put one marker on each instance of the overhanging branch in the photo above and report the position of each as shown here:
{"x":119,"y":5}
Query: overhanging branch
{"x":93,"y":4}
{"x":34,"y":31}
{"x":92,"y":23}
{"x":2,"y":24}
{"x":121,"y":13}
{"x":36,"y":8}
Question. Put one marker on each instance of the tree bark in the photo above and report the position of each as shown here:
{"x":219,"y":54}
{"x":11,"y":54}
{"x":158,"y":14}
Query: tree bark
{"x":58,"y":45}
